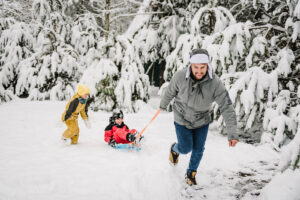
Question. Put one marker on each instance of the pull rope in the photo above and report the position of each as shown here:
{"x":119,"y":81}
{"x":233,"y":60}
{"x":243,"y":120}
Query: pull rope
{"x":140,"y":133}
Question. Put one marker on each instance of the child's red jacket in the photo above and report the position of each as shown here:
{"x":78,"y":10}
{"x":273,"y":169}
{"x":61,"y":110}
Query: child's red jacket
{"x":118,"y":133}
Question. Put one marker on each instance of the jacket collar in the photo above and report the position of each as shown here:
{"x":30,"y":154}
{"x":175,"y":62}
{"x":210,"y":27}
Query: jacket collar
{"x":119,"y":126}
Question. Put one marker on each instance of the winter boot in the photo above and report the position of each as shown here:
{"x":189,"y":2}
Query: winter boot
{"x":190,"y":178}
{"x":65,"y":140}
{"x":138,"y":140}
{"x":173,"y":155}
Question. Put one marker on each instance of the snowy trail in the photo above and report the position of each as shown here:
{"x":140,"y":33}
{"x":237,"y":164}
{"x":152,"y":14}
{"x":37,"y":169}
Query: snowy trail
{"x":34,"y":164}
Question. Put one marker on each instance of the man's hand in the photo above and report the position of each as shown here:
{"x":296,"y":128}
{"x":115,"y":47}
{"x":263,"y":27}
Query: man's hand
{"x":232,"y":143}
{"x":163,"y":110}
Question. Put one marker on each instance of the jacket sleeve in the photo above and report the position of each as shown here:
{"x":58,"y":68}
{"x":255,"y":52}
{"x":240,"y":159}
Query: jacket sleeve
{"x":225,"y":105}
{"x":108,"y":133}
{"x":83,"y":113}
{"x":72,"y":107}
{"x":170,"y":92}
{"x":132,"y":131}
{"x":127,"y":128}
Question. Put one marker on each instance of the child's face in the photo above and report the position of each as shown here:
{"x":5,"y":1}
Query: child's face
{"x":119,"y":121}
{"x":85,"y":96}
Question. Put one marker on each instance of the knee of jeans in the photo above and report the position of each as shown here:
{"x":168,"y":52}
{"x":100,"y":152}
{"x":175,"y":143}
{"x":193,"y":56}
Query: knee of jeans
{"x":199,"y":151}
{"x":185,"y":150}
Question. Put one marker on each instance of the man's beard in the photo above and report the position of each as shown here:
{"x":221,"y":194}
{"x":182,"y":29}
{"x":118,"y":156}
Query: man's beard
{"x":196,"y":79}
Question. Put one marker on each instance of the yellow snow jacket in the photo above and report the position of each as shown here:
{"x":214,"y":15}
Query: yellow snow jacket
{"x":73,"y":108}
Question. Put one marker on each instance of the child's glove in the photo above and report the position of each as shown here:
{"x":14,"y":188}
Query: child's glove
{"x":130,"y":137}
{"x":87,"y":123}
{"x":112,"y":142}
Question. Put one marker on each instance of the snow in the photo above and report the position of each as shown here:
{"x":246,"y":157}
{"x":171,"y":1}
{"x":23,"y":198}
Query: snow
{"x":35,"y":164}
{"x":139,"y":21}
{"x":222,"y":15}
{"x":297,"y":10}
{"x":276,"y":190}
{"x":286,"y":58}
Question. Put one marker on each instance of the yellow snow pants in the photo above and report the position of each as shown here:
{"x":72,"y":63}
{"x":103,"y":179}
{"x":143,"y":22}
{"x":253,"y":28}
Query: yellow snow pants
{"x":72,"y":131}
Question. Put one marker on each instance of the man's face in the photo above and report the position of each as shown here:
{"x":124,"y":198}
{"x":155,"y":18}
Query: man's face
{"x":199,"y":70}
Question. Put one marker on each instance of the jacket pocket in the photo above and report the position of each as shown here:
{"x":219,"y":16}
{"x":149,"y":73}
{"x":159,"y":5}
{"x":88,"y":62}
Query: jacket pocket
{"x":201,"y":114}
{"x":202,"y":117}
{"x":179,"y":108}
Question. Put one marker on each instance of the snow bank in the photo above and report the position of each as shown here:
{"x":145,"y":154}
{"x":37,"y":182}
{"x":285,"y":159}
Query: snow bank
{"x":283,"y":186}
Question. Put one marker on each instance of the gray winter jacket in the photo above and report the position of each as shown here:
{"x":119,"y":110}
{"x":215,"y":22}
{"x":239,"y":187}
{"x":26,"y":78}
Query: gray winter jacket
{"x":193,"y":100}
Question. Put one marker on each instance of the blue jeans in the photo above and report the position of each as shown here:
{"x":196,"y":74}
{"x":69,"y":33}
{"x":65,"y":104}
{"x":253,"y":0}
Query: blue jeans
{"x":191,"y":140}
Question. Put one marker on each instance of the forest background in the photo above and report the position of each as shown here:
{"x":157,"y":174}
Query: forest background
{"x":121,"y":48}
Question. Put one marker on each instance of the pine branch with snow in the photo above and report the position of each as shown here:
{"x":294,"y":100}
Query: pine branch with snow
{"x":101,"y":76}
{"x":84,"y":34}
{"x":133,"y":85}
{"x":16,"y":44}
{"x":49,"y":76}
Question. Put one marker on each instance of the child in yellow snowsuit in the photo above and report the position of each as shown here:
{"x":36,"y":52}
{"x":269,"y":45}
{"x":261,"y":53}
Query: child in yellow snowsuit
{"x":76,"y":105}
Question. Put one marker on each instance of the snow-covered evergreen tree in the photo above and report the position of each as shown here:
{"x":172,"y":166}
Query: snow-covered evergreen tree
{"x":19,"y":10}
{"x":85,"y":39}
{"x":112,"y":16}
{"x":51,"y":72}
{"x":65,"y":43}
{"x":16,"y":44}
{"x":155,"y":36}
{"x":84,"y":34}
{"x":133,"y":85}
{"x":51,"y":76}
{"x":114,"y":72}
{"x":118,"y":79}
{"x":102,"y":76}
{"x":291,"y":152}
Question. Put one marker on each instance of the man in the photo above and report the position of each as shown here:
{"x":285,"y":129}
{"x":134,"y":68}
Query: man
{"x":195,"y":89}
{"x":76,"y":105}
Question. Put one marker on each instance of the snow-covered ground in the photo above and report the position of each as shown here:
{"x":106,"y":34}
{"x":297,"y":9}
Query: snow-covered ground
{"x":35,"y":164}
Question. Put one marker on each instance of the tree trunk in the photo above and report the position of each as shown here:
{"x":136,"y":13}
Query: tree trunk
{"x":107,"y":7}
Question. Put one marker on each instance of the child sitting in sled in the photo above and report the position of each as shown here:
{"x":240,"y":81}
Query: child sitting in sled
{"x":117,"y":132}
